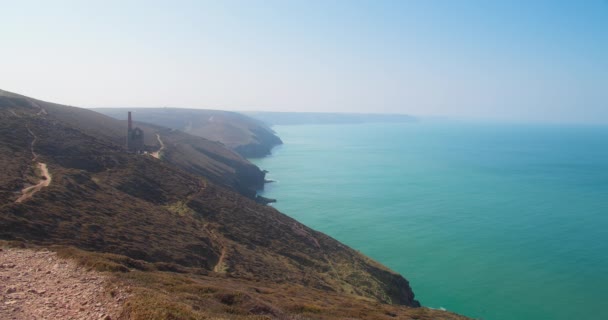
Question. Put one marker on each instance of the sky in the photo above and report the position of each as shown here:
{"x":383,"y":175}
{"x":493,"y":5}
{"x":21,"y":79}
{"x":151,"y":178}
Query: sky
{"x":513,"y":60}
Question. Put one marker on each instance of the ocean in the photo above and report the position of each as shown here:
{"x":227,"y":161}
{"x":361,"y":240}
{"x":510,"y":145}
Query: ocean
{"x":492,"y":221}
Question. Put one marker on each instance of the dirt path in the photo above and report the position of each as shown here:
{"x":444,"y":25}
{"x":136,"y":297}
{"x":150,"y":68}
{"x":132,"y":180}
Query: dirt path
{"x":45,"y":181}
{"x":162,"y":147}
{"x":219,"y":266}
{"x":33,"y":143}
{"x":39,"y":285}
{"x":42,"y":110}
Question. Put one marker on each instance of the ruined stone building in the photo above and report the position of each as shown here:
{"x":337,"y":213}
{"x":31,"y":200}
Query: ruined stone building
{"x":135,"y":138}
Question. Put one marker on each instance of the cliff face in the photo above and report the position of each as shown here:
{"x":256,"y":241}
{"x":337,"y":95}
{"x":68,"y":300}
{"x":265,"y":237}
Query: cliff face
{"x":263,"y":141}
{"x":248,"y":137}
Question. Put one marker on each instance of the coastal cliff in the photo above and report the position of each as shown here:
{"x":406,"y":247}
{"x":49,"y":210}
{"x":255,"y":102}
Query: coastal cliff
{"x":185,"y":246}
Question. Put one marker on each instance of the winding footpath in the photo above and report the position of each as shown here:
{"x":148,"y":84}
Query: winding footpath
{"x":162,"y":147}
{"x":219,"y":266}
{"x":45,"y":179}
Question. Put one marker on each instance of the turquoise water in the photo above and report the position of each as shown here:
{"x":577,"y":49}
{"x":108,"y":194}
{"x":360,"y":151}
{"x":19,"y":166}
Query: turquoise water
{"x":491,"y":221}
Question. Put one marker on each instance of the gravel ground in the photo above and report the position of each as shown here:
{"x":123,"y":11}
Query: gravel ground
{"x":39,"y":285}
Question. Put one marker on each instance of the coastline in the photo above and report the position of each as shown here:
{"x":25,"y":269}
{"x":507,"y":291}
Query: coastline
{"x":435,"y":203}
{"x":267,"y":152}
{"x":267,"y":201}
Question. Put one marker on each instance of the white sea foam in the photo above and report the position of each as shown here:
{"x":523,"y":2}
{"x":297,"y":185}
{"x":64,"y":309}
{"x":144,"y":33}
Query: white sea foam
{"x":440,"y":308}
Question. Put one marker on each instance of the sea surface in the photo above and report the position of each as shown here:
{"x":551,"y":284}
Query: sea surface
{"x":492,"y":221}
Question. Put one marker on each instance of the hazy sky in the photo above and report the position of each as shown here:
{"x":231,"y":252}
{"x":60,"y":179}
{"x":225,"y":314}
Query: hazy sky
{"x":511,"y":60}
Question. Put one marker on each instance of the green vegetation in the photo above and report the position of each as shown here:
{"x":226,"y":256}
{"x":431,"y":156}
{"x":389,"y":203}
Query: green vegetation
{"x":180,"y":208}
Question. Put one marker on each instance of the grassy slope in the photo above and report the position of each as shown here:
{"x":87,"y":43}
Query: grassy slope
{"x":193,"y":154}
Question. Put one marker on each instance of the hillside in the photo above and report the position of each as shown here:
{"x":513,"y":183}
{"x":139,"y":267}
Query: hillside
{"x":190,"y":153}
{"x":186,"y":247}
{"x":249,"y":137}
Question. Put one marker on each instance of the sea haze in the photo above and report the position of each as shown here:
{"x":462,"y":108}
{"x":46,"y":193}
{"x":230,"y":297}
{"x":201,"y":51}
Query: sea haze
{"x":491,"y":221}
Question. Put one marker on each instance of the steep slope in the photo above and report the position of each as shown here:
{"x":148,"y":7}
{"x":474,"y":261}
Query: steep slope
{"x":247,"y":136}
{"x":211,"y":160}
{"x":193,"y":154}
{"x":153,"y":216}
